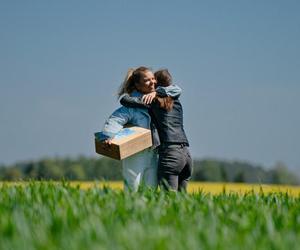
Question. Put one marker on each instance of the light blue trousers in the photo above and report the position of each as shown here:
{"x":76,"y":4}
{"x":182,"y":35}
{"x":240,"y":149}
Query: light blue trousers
{"x":140,"y":169}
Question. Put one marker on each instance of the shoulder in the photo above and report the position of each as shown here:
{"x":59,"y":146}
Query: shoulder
{"x":122,"y":110}
{"x":136,"y":93}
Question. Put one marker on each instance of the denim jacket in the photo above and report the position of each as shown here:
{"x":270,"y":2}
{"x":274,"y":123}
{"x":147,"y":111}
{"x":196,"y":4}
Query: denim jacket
{"x":123,"y":115}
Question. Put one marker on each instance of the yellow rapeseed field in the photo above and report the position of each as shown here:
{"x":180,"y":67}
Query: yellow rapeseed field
{"x":211,"y":187}
{"x":205,"y":187}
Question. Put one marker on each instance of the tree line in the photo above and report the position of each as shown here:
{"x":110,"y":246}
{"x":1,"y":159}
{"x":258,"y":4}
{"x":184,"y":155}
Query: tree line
{"x":89,"y":168}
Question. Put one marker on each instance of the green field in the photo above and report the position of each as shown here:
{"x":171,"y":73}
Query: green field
{"x":44,"y":215}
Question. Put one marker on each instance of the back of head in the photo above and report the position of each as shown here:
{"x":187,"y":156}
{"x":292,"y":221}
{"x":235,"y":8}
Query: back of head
{"x":132,"y":78}
{"x":163,"y":77}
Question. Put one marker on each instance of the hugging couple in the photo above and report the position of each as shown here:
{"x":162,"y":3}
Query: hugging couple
{"x":150,"y":100}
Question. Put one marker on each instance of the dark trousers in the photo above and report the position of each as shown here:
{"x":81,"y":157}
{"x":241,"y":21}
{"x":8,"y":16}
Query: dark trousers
{"x":174,"y":167}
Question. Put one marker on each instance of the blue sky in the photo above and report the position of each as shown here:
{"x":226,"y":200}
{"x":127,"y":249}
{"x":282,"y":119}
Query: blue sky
{"x":238,"y":63}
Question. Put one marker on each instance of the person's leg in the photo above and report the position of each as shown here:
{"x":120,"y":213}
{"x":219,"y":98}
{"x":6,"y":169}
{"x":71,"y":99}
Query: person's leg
{"x":168,"y":182}
{"x":150,"y":172}
{"x":186,"y":173}
{"x":133,"y":168}
{"x":170,"y":164}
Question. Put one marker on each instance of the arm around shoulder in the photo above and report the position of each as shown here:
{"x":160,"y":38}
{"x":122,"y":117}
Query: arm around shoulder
{"x":173,"y":91}
{"x":132,"y":102}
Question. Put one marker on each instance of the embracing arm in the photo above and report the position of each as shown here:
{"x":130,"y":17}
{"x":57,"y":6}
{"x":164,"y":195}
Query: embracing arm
{"x":173,"y":90}
{"x":133,"y":102}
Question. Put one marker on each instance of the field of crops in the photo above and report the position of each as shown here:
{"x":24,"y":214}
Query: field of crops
{"x":46,"y":215}
{"x":209,"y":187}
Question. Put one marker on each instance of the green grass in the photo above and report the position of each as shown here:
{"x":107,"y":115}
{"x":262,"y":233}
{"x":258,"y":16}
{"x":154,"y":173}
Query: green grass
{"x":57,"y":216}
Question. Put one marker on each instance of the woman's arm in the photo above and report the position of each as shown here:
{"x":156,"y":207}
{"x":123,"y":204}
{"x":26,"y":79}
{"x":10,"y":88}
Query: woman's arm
{"x":172,"y":90}
{"x":133,"y":102}
{"x":115,"y":123}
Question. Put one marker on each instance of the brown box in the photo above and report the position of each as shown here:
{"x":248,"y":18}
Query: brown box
{"x":125,"y":144}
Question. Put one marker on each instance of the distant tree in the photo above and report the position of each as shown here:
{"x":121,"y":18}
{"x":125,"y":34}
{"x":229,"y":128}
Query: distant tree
{"x":107,"y":169}
{"x":223,"y":173}
{"x":49,"y":169}
{"x":240,"y":177}
{"x":87,"y":168}
{"x":30,"y":170}
{"x":75,"y":172}
{"x":208,"y":170}
{"x":12,"y":174}
{"x":281,"y":175}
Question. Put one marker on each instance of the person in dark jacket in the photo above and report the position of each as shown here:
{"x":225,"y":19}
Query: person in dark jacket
{"x":140,"y":168}
{"x":175,"y":162}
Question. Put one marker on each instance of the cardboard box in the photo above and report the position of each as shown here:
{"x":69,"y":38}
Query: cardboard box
{"x":126,"y":143}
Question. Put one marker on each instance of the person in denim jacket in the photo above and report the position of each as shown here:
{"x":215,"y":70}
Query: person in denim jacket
{"x":140,"y":168}
{"x":175,"y":162}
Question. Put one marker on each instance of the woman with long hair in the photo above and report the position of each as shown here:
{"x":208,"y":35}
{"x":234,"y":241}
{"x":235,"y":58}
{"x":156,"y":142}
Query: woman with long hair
{"x":175,"y":162}
{"x":140,"y":168}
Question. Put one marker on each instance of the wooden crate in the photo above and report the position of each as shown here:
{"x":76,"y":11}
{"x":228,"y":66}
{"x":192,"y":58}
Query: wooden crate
{"x":126,"y":144}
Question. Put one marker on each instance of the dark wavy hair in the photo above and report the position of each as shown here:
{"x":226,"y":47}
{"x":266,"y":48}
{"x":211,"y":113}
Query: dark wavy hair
{"x":164,"y":79}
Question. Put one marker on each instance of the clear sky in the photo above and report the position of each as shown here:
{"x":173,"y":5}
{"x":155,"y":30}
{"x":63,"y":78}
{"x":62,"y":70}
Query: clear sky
{"x":238,"y":62}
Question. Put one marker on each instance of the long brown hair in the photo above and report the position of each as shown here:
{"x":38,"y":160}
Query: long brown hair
{"x":164,"y":79}
{"x":132,"y":78}
{"x":165,"y":102}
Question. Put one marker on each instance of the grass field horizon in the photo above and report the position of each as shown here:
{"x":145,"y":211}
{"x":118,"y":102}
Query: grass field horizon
{"x":193,"y":187}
